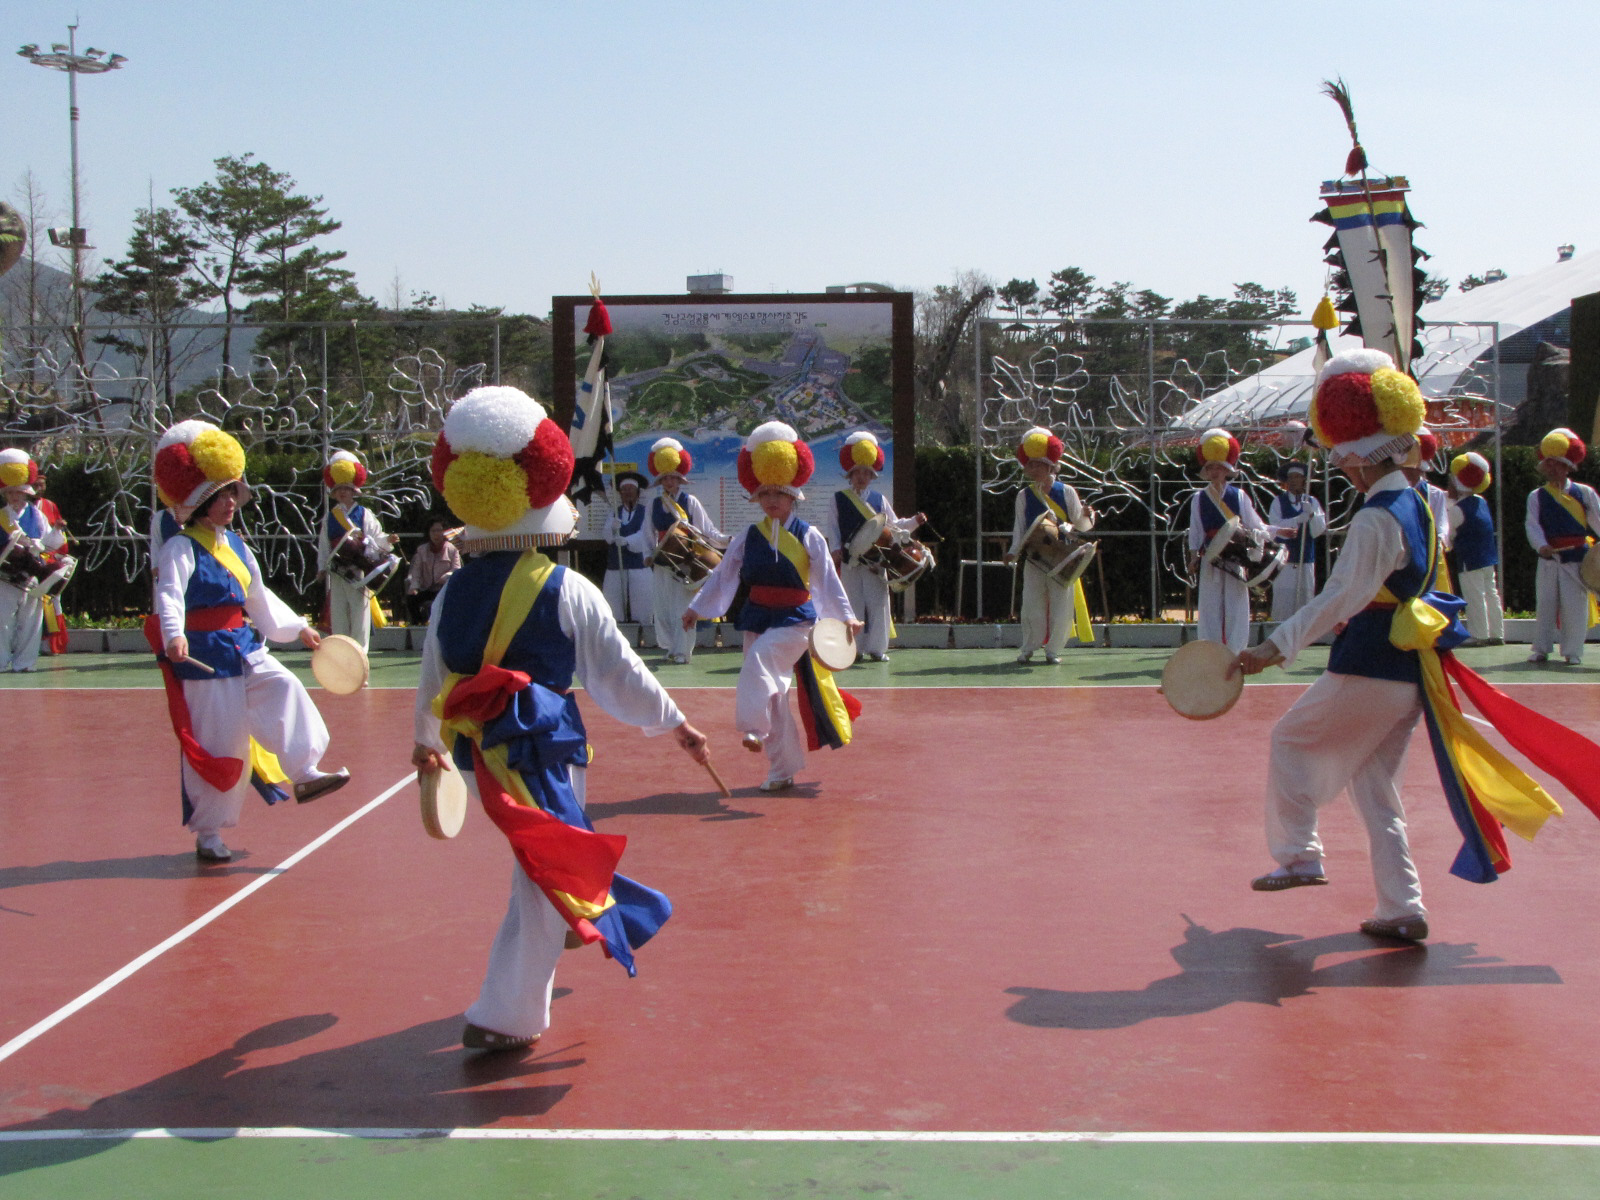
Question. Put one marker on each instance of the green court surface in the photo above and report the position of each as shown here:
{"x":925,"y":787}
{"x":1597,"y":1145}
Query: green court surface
{"x":312,"y":1168}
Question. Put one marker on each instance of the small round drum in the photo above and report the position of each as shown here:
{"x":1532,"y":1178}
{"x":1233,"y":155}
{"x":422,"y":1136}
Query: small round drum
{"x":1250,"y":554}
{"x":1199,"y":682}
{"x":866,"y":539}
{"x":444,"y":802}
{"x":906,"y":561}
{"x":1061,"y":554}
{"x":340,"y":665}
{"x":687,"y":554}
{"x":1589,"y":569}
{"x":832,"y":645}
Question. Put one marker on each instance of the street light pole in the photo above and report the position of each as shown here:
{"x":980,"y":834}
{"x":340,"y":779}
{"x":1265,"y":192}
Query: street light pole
{"x":90,"y":62}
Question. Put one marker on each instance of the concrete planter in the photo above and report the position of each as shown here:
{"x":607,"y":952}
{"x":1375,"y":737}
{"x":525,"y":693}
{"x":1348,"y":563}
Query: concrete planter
{"x":1149,"y":636}
{"x":975,"y":637}
{"x":396,"y":637}
{"x":1010,"y":635}
{"x":126,"y":641}
{"x":922,"y":637}
{"x":705,"y":635}
{"x":86,"y":641}
{"x":630,"y":632}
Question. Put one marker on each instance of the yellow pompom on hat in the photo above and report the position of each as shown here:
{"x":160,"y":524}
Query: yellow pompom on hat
{"x":1563,"y":443}
{"x":503,"y":467}
{"x":1218,"y":446}
{"x":1365,"y":408}
{"x":1471,"y":471}
{"x":18,"y":470}
{"x":194,"y":461}
{"x":774,"y":457}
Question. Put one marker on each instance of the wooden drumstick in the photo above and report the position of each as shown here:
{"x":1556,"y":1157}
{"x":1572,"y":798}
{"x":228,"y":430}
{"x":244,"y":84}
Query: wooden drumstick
{"x":712,"y":771}
{"x":195,"y":662}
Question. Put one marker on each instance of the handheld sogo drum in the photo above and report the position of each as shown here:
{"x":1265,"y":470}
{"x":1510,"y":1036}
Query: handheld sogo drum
{"x":1061,"y":554}
{"x":340,"y":665}
{"x":832,"y":645}
{"x":444,"y":802}
{"x":891,"y":552}
{"x":687,"y":553}
{"x":1199,"y":681}
{"x":28,"y":567}
{"x":357,"y":560}
{"x":1589,"y":569}
{"x":1249,"y":554}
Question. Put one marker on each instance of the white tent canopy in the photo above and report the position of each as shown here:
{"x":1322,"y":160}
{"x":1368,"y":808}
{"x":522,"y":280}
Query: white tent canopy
{"x":1283,"y":390}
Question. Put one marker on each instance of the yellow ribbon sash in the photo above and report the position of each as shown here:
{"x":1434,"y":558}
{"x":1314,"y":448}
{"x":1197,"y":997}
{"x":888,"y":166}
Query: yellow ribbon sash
{"x":217,"y":546}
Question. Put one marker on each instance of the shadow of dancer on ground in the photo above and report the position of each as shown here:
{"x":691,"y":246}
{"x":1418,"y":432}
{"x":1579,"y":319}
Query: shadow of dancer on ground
{"x":708,"y":806}
{"x":1256,"y":966}
{"x":179,"y":866}
{"x":416,"y":1078}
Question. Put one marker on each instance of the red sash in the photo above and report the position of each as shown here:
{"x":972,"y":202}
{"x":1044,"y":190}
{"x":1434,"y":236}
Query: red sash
{"x":778,"y":597}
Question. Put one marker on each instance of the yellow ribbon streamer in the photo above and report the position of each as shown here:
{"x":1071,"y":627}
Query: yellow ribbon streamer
{"x":217,"y":546}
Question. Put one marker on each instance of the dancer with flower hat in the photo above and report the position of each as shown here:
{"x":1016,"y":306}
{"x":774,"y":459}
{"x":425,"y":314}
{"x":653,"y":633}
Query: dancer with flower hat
{"x":1390,"y":664}
{"x":786,"y":564}
{"x":510,"y":632}
{"x":1051,"y":613}
{"x":1223,"y":605}
{"x":670,"y":462}
{"x":862,"y":459}
{"x":21,"y":615}
{"x":1563,"y":519}
{"x":1473,"y":542}
{"x":240,"y":716}
{"x":352,"y":607}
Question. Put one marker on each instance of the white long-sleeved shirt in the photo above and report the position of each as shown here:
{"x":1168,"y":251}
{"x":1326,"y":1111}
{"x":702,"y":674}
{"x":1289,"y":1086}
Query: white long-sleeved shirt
{"x":1077,"y":516}
{"x":827,"y":590}
{"x":1373,"y":550}
{"x":275,"y":619}
{"x":1591,"y":514}
{"x":606,"y":665}
{"x":641,"y":542}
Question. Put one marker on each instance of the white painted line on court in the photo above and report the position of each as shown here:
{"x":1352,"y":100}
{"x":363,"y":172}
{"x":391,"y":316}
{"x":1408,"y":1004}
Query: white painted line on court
{"x":825,"y":1135}
{"x":189,"y":930}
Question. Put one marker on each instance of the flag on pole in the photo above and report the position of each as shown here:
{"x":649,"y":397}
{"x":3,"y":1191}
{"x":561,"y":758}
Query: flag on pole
{"x":590,"y":432}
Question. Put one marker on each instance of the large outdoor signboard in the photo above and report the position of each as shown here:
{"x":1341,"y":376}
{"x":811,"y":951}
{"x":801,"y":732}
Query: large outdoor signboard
{"x":708,"y":369}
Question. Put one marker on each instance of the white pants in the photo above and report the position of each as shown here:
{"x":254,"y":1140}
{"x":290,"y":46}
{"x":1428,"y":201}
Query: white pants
{"x":515,"y":996}
{"x":761,"y":703}
{"x":1562,"y":608}
{"x":1223,"y":608}
{"x":21,"y":620}
{"x":1483,"y":615}
{"x":1291,"y":588}
{"x":637,"y":605}
{"x":868,"y":591}
{"x":1046,"y":612}
{"x":671,"y":599}
{"x":349,"y":610}
{"x":1351,"y":732}
{"x":266,"y":703}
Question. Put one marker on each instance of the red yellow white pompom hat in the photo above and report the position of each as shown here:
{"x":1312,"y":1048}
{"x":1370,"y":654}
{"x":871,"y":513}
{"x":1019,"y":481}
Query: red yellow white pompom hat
{"x":1364,"y":408}
{"x":1471,"y":471}
{"x":1039,"y":443}
{"x":775,"y":457}
{"x":1563,"y":443}
{"x":1217,"y":445}
{"x":344,"y":470}
{"x":503,"y":467}
{"x":861,"y":449}
{"x":668,"y":457}
{"x":17,"y":470}
{"x":194,"y":461}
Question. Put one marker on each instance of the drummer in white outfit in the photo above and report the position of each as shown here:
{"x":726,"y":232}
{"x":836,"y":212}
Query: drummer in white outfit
{"x":862,"y":459}
{"x":349,"y":600}
{"x":1224,"y":600}
{"x":628,"y":585}
{"x":1299,"y":517}
{"x":1476,"y":550}
{"x":670,"y":462}
{"x":1047,"y":607}
{"x":1563,"y":519}
{"x":22,"y":616}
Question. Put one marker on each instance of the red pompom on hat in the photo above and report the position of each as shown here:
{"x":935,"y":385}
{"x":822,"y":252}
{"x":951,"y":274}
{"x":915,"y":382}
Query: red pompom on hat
{"x":861,"y":449}
{"x":669,"y":456}
{"x":774,"y":456}
{"x":1039,"y":443}
{"x":1427,"y":443}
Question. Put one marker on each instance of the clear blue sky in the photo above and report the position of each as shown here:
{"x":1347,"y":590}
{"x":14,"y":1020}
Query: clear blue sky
{"x":497,"y":152}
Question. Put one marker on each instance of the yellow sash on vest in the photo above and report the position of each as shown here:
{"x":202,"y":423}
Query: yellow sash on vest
{"x":219,"y":549}
{"x":379,"y":621}
{"x":1575,"y":507}
{"x":789,"y":546}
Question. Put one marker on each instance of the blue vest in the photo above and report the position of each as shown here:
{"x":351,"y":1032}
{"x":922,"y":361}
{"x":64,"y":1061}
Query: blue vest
{"x":620,"y":558}
{"x":539,"y":649}
{"x":1473,"y":538}
{"x":31,"y":521}
{"x":336,"y":530}
{"x":764,"y":566}
{"x":1363,"y":646}
{"x":1211,"y":518}
{"x":1032,"y":506}
{"x":211,"y":586}
{"x":168,"y":526}
{"x":662,"y":515}
{"x":850,"y":518}
{"x":1557,"y":522}
{"x":1302,"y":546}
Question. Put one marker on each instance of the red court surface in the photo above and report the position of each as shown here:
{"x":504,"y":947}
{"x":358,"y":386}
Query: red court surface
{"x":999,"y":910}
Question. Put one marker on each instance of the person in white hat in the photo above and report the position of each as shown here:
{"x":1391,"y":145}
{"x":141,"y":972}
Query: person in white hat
{"x":862,"y":460}
{"x":510,"y":632}
{"x":627,"y":584}
{"x":1222,"y":608}
{"x":1050,"y":612}
{"x":1477,"y":555}
{"x":670,"y":462}
{"x":350,"y":601}
{"x":21,"y":616}
{"x":1563,"y":520}
{"x":787,"y":566}
{"x":212,"y":612}
{"x":1299,"y":518}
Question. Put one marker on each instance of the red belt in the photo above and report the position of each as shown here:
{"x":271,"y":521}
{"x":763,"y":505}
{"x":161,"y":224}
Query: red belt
{"x":209,"y":620}
{"x":778,"y":597}
{"x":1567,"y":543}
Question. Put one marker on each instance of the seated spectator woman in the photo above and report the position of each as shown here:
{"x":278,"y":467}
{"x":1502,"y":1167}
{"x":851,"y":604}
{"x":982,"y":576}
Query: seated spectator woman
{"x":430,"y":567}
